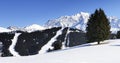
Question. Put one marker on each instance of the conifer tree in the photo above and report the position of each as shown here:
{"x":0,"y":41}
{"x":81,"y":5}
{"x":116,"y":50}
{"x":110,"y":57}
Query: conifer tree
{"x":98,"y":27}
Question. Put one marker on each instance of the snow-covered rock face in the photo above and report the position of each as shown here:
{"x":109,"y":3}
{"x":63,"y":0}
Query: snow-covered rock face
{"x":79,"y":21}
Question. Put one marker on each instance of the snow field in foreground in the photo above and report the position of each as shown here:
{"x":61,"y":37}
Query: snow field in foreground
{"x":87,"y":53}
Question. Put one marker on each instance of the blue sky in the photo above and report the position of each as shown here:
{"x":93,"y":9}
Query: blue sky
{"x":26,"y":12}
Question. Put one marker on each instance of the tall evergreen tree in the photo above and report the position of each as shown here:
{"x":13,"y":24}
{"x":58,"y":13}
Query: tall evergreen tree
{"x":98,"y":27}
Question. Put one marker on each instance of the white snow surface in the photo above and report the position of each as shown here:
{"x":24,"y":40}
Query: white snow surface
{"x":49,"y":44}
{"x":107,"y":52}
{"x":4,"y":30}
{"x":34,"y":27}
{"x":11,"y":48}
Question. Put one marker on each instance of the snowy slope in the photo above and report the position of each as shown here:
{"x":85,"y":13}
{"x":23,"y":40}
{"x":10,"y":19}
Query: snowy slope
{"x":79,"y":21}
{"x":48,"y":45}
{"x":89,"y":53}
{"x":14,"y":41}
{"x":4,"y":30}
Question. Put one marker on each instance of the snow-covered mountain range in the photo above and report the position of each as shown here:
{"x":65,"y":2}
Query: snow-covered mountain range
{"x":78,"y":21}
{"x":75,"y":21}
{"x":31,"y":28}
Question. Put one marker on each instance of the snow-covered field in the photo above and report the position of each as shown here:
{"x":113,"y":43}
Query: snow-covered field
{"x":107,"y":52}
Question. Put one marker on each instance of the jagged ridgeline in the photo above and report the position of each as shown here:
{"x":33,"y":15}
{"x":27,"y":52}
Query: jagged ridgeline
{"x":19,"y":43}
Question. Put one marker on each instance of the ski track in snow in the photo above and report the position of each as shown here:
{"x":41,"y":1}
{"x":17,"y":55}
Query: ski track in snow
{"x":48,"y":45}
{"x":63,"y":43}
{"x":14,"y":41}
